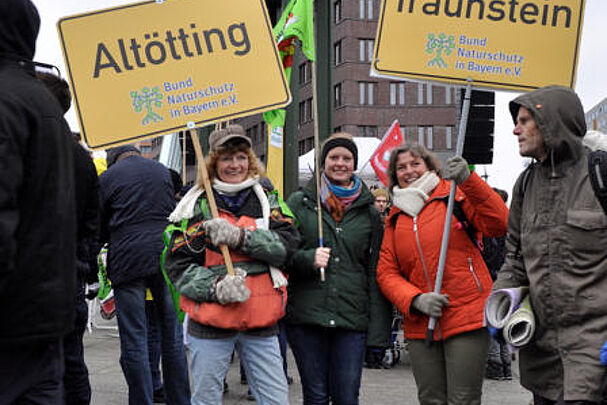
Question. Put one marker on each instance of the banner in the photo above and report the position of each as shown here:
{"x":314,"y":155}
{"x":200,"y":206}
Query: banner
{"x":381,"y":157}
{"x":297,"y":21}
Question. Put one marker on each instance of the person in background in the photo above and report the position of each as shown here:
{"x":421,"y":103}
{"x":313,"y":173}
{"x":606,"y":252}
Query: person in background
{"x":557,"y":246}
{"x":136,"y":199}
{"x":451,"y":370}
{"x":37,"y":220}
{"x":382,"y":201}
{"x":241,"y":310}
{"x":330,"y":323}
{"x":76,"y":378}
{"x":499,"y":358}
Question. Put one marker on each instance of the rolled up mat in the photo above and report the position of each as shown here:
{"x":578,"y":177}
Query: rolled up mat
{"x":502,"y":303}
{"x":520,"y":327}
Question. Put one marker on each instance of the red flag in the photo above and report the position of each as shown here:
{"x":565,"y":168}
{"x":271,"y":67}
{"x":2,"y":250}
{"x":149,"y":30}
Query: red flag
{"x":380,"y":158}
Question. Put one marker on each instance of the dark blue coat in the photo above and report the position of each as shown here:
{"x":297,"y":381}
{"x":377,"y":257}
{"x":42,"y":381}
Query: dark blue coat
{"x":136,"y":199}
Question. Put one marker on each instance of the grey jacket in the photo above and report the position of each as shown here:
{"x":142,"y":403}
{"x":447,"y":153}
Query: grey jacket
{"x":557,"y":245}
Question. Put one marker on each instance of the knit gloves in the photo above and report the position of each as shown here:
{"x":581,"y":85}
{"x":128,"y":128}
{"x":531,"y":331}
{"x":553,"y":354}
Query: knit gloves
{"x":430,"y":304}
{"x":221,"y":232}
{"x":411,"y":200}
{"x":232,"y":288}
{"x":456,"y":169}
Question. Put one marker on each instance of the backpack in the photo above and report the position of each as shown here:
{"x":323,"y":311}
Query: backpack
{"x":597,"y":172}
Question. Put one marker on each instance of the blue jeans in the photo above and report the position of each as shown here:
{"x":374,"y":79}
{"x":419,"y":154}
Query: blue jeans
{"x":210,"y":361}
{"x":330,"y":363}
{"x":134,"y":354}
{"x":154,"y":347}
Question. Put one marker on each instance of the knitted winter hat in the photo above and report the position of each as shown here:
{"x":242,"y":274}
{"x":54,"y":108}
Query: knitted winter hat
{"x":342,"y":139}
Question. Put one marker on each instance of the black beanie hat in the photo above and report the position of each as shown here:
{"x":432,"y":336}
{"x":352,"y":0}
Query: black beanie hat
{"x":342,"y":139}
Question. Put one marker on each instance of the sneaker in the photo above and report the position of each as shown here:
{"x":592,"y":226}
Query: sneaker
{"x":159,"y":397}
{"x":250,"y":396}
{"x":225,"y":386}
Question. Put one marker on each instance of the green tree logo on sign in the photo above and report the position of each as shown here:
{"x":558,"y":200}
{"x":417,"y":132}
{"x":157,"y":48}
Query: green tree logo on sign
{"x":439,"y":46}
{"x":147,"y":99}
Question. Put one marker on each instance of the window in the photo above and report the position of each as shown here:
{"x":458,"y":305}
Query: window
{"x":397,"y":93}
{"x":448,"y":94}
{"x":428,"y":93}
{"x":420,"y":135}
{"x":420,"y":93}
{"x":365,"y":49}
{"x":366,"y":92}
{"x":429,"y":138}
{"x":365,"y":9}
{"x":305,"y":73}
{"x":302,"y":147}
{"x":337,"y":100}
{"x":337,"y":129}
{"x":337,"y":11}
{"x":337,"y":49}
{"x":305,"y":111}
{"x":448,"y":138}
{"x":367,"y":131}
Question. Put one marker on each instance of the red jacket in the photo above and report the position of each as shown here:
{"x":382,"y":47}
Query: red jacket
{"x":466,"y":280}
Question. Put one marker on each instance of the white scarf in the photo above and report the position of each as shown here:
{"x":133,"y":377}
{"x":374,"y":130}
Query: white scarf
{"x":411,"y":200}
{"x":185,"y":210}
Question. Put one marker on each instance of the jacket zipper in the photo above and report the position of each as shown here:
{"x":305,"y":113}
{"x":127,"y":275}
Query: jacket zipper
{"x":426,"y":273}
{"x":421,"y":254}
{"x":476,"y":280}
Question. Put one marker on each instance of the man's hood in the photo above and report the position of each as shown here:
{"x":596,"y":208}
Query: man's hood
{"x":559,"y":115}
{"x":19,"y":25}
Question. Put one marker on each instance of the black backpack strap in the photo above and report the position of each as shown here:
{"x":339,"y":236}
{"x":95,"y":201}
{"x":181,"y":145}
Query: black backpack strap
{"x":458,"y":212}
{"x":597,"y":171}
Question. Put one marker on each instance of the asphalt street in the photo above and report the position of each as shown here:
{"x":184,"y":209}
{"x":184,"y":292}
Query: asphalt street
{"x":379,"y":386}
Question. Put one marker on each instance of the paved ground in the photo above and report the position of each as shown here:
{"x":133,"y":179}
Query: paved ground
{"x":379,"y":387}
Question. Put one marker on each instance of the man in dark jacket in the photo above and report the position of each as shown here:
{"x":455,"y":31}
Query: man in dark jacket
{"x":136,"y":197}
{"x":557,"y":245}
{"x":37,"y":219}
{"x":76,"y":383}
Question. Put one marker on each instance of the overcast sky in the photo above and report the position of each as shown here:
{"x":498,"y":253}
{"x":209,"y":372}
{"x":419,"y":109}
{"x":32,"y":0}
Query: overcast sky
{"x":591,"y":82}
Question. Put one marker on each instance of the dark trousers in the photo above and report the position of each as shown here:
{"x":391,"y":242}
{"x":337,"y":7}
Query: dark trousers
{"x":76,"y":379}
{"x":538,"y":400}
{"x":330,"y":363}
{"x":32,"y":375}
{"x":154,"y":346}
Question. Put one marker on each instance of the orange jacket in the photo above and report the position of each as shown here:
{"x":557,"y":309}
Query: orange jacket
{"x":466,"y":280}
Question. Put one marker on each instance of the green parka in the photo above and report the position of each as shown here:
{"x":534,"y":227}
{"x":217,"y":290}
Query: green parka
{"x":349,"y":298}
{"x":557,"y":245}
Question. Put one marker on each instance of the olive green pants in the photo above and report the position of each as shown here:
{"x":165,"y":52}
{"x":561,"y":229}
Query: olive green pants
{"x":450,"y":371}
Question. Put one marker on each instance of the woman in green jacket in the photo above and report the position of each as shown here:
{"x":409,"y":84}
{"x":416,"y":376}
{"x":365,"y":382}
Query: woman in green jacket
{"x":330,"y":323}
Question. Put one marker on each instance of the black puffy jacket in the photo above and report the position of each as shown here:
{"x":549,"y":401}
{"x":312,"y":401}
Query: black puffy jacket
{"x":37,"y":214}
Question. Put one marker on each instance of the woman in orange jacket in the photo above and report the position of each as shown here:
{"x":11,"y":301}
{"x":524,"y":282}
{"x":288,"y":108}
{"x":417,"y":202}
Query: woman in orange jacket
{"x":451,"y":370}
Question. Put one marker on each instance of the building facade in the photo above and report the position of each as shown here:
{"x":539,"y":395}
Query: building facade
{"x":596,"y":118}
{"x":360,"y":104}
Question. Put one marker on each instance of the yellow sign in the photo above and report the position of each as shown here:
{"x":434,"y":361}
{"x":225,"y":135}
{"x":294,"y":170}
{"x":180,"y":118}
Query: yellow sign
{"x":151,"y":68}
{"x":516,"y":45}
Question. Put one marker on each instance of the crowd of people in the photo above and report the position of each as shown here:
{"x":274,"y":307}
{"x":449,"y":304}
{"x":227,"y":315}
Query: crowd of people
{"x":247,"y":272}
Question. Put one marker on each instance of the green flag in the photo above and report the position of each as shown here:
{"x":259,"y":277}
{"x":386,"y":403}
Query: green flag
{"x":297,"y":20}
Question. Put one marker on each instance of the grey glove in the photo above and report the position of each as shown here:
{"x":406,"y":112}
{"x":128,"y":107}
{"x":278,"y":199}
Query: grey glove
{"x":456,"y":169}
{"x":232,"y":288}
{"x":430,"y":304}
{"x":221,"y":232}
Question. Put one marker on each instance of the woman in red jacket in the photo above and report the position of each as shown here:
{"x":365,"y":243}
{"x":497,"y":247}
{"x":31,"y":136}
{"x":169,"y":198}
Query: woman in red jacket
{"x":451,"y":370}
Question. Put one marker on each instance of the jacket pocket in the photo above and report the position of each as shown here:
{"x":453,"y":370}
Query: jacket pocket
{"x":586,"y":235}
{"x":477,"y":281}
{"x":587,"y":219}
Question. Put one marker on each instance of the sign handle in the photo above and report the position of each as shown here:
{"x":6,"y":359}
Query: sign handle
{"x":459,"y":150}
{"x":204,"y":175}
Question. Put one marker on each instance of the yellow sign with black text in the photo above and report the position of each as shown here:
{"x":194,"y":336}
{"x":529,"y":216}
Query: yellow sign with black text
{"x":516,"y":45}
{"x":156,"y":67}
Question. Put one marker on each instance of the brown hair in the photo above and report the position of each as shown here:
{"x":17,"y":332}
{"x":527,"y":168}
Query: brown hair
{"x":231,"y":147}
{"x":416,"y":150}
